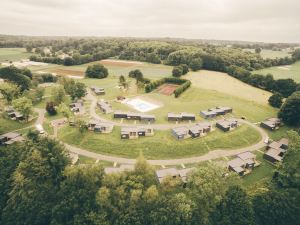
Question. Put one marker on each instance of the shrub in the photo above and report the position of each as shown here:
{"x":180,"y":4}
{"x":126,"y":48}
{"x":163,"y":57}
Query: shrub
{"x":50,"y":108}
{"x":276,"y":100}
{"x":96,"y":71}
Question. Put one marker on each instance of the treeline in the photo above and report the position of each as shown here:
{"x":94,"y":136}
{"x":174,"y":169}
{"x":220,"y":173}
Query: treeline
{"x":20,"y":77}
{"x":183,"y":85}
{"x":76,"y":51}
{"x":38,"y":186}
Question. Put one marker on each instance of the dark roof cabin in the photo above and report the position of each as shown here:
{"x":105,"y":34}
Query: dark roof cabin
{"x":271,"y":124}
{"x":174,"y":117}
{"x":227,"y":124}
{"x":180,"y":133}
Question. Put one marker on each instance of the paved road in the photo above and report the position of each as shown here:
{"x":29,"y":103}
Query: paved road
{"x":209,"y":156}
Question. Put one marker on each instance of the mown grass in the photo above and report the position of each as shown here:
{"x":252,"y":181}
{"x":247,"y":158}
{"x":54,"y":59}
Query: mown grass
{"x":7,"y":125}
{"x":262,"y":173}
{"x":283,"y":72}
{"x":162,"y":145}
{"x":13,"y":54}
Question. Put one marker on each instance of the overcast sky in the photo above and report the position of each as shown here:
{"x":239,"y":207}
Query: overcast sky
{"x":252,"y":20}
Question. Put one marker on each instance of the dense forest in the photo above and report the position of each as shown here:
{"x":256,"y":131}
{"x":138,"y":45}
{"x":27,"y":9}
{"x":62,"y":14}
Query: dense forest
{"x":39,"y":186}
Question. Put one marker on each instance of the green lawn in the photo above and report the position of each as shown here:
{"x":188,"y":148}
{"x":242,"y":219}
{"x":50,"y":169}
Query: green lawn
{"x":162,"y":145}
{"x":7,"y":125}
{"x":13,"y":54}
{"x":283,"y":72}
{"x":262,"y":173}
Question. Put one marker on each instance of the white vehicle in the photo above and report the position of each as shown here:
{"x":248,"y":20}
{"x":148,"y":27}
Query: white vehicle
{"x":39,"y":128}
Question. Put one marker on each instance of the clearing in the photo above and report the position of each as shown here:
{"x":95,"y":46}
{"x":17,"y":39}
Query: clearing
{"x":283,"y":72}
{"x":13,"y":54}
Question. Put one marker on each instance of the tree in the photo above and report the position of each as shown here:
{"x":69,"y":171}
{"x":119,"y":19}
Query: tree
{"x":185,"y":69}
{"x":65,"y":110}
{"x":196,"y":64}
{"x":9,"y":91}
{"x":24,"y":106}
{"x":77,"y":202}
{"x":16,"y":76}
{"x":35,"y":183}
{"x":234,"y":208}
{"x":36,"y":95}
{"x":177,"y":71}
{"x":276,"y":100}
{"x":68,"y":61}
{"x":206,"y":186}
{"x":285,"y":87}
{"x":123,"y":83}
{"x":137,"y":74}
{"x":58,"y":95}
{"x":76,"y":90}
{"x":29,"y":48}
{"x":257,"y":50}
{"x":288,"y":173}
{"x":50,"y":108}
{"x":96,"y":71}
{"x":290,"y":110}
{"x":277,"y":207}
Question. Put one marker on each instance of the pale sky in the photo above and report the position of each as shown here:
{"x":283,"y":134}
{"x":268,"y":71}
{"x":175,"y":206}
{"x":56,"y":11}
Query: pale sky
{"x":249,"y":20}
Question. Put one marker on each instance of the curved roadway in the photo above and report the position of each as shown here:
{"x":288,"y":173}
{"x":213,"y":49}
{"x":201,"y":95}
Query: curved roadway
{"x":209,"y":156}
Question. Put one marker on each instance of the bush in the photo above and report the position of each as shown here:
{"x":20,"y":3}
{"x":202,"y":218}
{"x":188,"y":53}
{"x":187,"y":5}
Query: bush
{"x":196,"y":64}
{"x":50,"y":108}
{"x":182,"y":88}
{"x":96,"y":71}
{"x":177,"y":71}
{"x":276,"y":100}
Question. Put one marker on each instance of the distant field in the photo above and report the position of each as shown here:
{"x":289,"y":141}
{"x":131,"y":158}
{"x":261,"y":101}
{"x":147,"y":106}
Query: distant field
{"x":279,"y":72}
{"x":226,"y":84}
{"x":115,"y":68}
{"x":162,"y":145}
{"x":13,"y":54}
{"x":265,"y":53}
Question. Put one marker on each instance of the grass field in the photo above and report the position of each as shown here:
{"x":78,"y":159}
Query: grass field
{"x":223,"y":83}
{"x":283,"y":72}
{"x":265,"y":53}
{"x":152,"y":71}
{"x":162,"y":145}
{"x":13,"y":54}
{"x":7,"y":125}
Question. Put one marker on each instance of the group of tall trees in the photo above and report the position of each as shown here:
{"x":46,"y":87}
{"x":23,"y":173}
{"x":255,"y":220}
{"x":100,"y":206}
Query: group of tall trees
{"x":38,"y":186}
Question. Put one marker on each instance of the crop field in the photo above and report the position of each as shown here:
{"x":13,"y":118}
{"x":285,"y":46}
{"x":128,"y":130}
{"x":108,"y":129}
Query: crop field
{"x":162,"y":145}
{"x":283,"y":72}
{"x":115,"y":69}
{"x":13,"y":54}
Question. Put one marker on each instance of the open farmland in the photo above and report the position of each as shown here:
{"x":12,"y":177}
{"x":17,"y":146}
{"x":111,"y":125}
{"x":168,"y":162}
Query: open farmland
{"x":115,"y":68}
{"x":13,"y":54}
{"x":283,"y":72}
